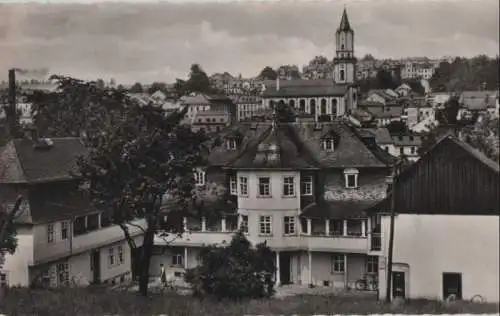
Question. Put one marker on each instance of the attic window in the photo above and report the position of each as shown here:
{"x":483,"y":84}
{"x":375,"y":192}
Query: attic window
{"x":231,"y":144}
{"x":328,"y":144}
{"x":351,"y":178}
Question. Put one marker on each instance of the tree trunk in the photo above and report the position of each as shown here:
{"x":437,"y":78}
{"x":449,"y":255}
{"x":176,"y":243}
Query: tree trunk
{"x":147,"y":251}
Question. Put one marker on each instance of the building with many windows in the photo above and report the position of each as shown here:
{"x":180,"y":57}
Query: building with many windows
{"x":303,"y":188}
{"x":61,"y":237}
{"x":323,"y":99}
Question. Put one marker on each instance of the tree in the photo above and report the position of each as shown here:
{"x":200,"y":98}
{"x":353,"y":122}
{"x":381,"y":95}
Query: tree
{"x":137,"y":163}
{"x":136,"y":88}
{"x":198,"y":80}
{"x":368,"y":57}
{"x":284,"y":113}
{"x":397,"y":128}
{"x":416,"y":86}
{"x":77,"y":108}
{"x":8,"y":239}
{"x":268,"y":74}
{"x":385,"y":80}
{"x":483,"y":136}
{"x":235,"y":272}
{"x":448,"y":114}
{"x":158,"y":86}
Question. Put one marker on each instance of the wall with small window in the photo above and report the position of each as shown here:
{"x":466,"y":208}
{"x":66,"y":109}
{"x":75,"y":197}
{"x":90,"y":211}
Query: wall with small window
{"x":355,"y":183}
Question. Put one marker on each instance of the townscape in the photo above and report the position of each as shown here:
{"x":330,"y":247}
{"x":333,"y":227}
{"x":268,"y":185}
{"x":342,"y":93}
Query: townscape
{"x":375,"y":178}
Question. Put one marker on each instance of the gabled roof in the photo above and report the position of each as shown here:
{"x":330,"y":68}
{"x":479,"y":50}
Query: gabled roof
{"x":303,"y":88}
{"x":302,"y":144}
{"x":23,"y":163}
{"x":381,"y":134}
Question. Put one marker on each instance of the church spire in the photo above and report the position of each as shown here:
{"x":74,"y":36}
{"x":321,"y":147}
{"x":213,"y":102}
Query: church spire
{"x":344,"y":23}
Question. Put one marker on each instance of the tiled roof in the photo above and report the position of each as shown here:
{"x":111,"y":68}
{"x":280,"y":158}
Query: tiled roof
{"x":386,"y":112}
{"x":303,"y":88}
{"x":382,"y":135}
{"x":195,"y":99}
{"x":407,"y":140}
{"x":276,"y":148}
{"x":24,"y":163}
{"x":301,"y":139}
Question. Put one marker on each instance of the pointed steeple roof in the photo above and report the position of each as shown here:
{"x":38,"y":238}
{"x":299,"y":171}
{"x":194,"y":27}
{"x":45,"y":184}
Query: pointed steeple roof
{"x":344,"y":22}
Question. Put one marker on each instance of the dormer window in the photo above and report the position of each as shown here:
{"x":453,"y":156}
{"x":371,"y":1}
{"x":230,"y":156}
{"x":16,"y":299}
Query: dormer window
{"x":231,"y":144}
{"x":199,"y":177}
{"x":328,"y":144}
{"x":351,"y":178}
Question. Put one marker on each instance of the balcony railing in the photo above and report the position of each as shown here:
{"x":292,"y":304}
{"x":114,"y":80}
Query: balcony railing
{"x":376,"y":242}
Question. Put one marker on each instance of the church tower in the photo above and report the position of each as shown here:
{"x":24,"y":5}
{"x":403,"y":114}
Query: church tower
{"x":344,"y":63}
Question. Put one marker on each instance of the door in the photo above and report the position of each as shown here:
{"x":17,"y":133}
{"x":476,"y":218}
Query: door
{"x":95,"y":266}
{"x":398,"y":284}
{"x":452,"y":285}
{"x":285,"y":259}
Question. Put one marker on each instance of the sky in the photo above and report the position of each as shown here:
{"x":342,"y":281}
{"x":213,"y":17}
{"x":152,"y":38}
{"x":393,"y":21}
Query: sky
{"x":149,"y":41}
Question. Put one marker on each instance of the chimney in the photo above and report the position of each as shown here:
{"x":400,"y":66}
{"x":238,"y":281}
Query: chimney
{"x":278,"y":83}
{"x":12,"y":99}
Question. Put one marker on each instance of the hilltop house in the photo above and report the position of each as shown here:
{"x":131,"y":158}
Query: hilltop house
{"x":446,"y":226}
{"x":61,"y":236}
{"x":303,"y":188}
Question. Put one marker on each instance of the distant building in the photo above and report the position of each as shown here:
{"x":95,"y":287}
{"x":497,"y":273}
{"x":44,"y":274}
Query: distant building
{"x":413,"y":70}
{"x":247,"y":106}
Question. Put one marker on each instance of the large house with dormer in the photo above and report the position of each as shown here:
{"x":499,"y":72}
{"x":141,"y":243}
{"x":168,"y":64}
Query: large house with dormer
{"x":303,"y":188}
{"x":323,"y":99}
{"x":61,"y":237}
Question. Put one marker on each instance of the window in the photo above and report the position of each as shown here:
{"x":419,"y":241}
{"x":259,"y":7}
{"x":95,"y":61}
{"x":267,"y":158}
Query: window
{"x":265,"y":225}
{"x":413,"y":150}
{"x":338,"y":263}
{"x":264,"y":186}
{"x":244,"y":224}
{"x":121,"y":259}
{"x":4,"y":279}
{"x":199,"y":177}
{"x":244,"y":186}
{"x":342,"y":75}
{"x":231,"y":144}
{"x":92,"y":222}
{"x":306,"y":185}
{"x":106,"y":219}
{"x":337,"y":227}
{"x":62,"y":273}
{"x":50,"y":233}
{"x":79,"y":225}
{"x":177,"y":259}
{"x":401,"y":151}
{"x":233,"y":185}
{"x":372,"y":264}
{"x":111,"y":256}
{"x":351,"y":178}
{"x":328,"y":144}
{"x":64,"y":230}
{"x":289,"y":226}
{"x":288,"y":186}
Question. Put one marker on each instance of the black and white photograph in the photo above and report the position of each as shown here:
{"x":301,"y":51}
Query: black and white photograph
{"x":249,"y":157}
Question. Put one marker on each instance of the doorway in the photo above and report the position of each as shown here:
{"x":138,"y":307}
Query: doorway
{"x":285,"y":260}
{"x":95,"y":266}
{"x":452,"y":285}
{"x":398,"y":285}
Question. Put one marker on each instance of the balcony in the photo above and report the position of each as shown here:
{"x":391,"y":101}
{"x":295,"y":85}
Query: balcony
{"x":202,"y":231}
{"x":376,"y":242}
{"x":105,"y":236}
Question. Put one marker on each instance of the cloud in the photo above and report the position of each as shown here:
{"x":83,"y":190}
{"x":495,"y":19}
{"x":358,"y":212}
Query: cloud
{"x":146,"y":41}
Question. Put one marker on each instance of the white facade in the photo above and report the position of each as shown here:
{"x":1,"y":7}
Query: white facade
{"x":44,"y":249}
{"x":424,"y":250}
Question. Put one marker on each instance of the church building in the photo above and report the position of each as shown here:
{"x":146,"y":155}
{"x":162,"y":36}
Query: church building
{"x":322,"y":99}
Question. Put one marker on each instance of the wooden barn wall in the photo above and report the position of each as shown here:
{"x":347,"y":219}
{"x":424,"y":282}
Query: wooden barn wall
{"x":448,"y":181}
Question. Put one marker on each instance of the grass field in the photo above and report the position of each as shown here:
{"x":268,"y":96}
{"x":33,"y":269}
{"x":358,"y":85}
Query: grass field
{"x":100,"y":302}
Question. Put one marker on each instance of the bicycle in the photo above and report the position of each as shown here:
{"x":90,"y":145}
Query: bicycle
{"x":367,"y":284}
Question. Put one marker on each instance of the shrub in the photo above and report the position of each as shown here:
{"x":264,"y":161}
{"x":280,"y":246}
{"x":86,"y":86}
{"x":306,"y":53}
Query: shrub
{"x":236,"y":272}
